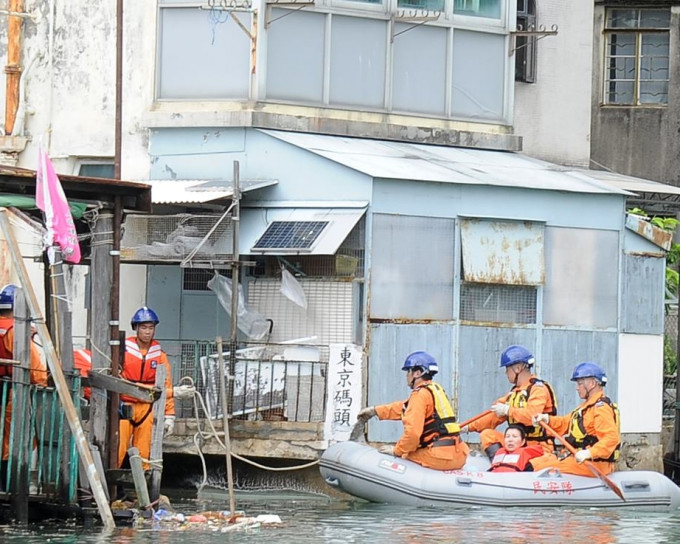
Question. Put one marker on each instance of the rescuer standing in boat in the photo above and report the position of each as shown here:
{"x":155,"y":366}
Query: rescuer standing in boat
{"x":143,"y":355}
{"x":592,"y":428}
{"x":431,"y":435}
{"x":528,"y":397}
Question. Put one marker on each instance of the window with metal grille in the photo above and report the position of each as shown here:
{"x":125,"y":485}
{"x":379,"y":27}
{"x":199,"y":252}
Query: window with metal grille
{"x":636,"y":56}
{"x":290,"y":235}
{"x":497,"y":303}
{"x":525,"y":46}
{"x":196,"y":279}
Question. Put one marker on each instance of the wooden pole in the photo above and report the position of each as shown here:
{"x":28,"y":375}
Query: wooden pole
{"x":57,"y":375}
{"x":225,"y":424}
{"x":13,"y":66}
{"x":20,"y":409}
{"x":138,"y":477}
{"x":157,"y":434}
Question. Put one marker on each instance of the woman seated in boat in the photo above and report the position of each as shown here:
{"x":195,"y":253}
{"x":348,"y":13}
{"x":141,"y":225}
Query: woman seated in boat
{"x":592,"y":428}
{"x":515,"y":455}
{"x":431,"y":435}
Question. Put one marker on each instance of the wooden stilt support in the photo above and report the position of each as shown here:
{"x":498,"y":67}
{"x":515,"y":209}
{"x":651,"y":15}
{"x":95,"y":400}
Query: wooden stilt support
{"x":57,"y":375}
{"x":138,"y":476}
{"x":157,"y":434}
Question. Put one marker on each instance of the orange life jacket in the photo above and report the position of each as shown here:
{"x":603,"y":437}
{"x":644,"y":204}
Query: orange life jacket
{"x":6,"y":324}
{"x":140,"y":368}
{"x":517,"y":461}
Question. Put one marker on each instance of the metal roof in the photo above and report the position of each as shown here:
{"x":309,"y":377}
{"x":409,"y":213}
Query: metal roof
{"x":198,"y":191}
{"x":421,"y":162}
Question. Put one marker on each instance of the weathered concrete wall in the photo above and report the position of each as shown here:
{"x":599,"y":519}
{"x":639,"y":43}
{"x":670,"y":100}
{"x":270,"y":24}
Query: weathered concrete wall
{"x":553,"y":114}
{"x":643,"y":140}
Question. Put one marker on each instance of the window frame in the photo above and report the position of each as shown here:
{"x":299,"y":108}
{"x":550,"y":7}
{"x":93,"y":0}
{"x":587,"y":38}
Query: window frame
{"x":638,"y":32}
{"x":526,"y":18}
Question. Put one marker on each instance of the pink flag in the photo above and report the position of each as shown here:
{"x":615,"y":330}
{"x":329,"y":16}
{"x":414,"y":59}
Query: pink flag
{"x":50,"y":198}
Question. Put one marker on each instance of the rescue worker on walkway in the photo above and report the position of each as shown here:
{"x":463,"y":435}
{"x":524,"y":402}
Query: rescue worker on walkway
{"x":528,"y":397}
{"x":143,"y":355}
{"x":37,"y":372}
{"x":515,"y":454}
{"x":592,"y":428}
{"x":431,"y":435}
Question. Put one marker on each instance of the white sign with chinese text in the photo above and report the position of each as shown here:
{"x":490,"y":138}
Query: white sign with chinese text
{"x":345,"y":364}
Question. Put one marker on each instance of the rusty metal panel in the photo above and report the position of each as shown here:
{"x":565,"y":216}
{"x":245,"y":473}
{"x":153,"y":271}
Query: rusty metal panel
{"x":390,"y":344}
{"x":643,"y":293}
{"x":659,"y":237}
{"x":480,"y":378}
{"x":506,"y":252}
{"x":564,"y":349}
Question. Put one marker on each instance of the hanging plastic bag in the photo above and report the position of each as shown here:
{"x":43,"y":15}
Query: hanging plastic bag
{"x":250,"y":322}
{"x":291,"y":289}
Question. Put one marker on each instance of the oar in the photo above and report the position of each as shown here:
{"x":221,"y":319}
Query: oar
{"x":478,"y":416}
{"x":596,"y":471}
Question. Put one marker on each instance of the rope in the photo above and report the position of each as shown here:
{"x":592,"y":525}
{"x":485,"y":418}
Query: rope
{"x":153,"y":463}
{"x":214,"y":433}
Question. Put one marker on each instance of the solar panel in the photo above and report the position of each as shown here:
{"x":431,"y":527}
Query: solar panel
{"x":290,"y":235}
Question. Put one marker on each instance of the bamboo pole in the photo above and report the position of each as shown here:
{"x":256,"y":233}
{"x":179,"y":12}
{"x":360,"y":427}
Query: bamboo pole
{"x":57,"y":375}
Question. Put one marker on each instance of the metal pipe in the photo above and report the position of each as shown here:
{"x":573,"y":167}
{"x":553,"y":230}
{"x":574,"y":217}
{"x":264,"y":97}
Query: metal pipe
{"x":13,"y":66}
{"x":119,"y":91}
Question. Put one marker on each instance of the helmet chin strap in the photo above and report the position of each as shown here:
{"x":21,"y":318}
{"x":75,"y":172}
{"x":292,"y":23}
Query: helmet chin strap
{"x":517,"y":373}
{"x":411,"y":384}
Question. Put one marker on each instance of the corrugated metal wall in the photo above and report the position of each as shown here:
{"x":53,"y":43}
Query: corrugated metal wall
{"x":642,"y":303}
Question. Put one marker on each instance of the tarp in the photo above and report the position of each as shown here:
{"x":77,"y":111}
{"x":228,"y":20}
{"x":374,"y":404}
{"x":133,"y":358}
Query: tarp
{"x":28,"y":203}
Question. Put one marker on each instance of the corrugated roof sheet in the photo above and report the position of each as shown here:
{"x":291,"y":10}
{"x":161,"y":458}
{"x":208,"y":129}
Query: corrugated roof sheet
{"x":420,"y":162}
{"x":198,"y":191}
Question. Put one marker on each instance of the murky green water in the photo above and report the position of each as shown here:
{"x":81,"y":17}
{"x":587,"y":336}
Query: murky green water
{"x":314,"y":518}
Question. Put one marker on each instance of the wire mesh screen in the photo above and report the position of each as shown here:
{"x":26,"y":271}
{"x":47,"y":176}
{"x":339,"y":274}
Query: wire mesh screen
{"x":174,"y":238}
{"x":670,"y":357}
{"x":272,"y":382}
{"x":497,"y":303}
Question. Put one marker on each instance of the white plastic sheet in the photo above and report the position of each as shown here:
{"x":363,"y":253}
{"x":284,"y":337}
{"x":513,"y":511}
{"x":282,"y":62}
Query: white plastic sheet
{"x":292,"y":290}
{"x":250,"y":322}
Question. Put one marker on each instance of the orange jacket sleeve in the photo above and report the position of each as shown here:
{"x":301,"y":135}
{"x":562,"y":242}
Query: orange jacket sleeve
{"x":169,"y":398}
{"x":600,"y":422}
{"x":391,"y":411}
{"x":539,"y":399}
{"x":37,"y":368}
{"x":560,"y":423}
{"x":420,"y":403}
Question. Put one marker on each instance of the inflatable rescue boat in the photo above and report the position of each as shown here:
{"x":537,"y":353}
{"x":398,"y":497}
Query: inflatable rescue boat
{"x":364,"y":472}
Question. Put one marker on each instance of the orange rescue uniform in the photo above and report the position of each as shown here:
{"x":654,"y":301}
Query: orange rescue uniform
{"x":599,"y":422}
{"x":82,"y":361}
{"x":535,"y":398}
{"x":419,"y":409}
{"x":37,"y":373}
{"x":140,"y":366}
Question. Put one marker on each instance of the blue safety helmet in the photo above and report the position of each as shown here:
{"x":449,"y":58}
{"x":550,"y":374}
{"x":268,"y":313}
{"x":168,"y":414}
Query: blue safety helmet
{"x":144,"y":315}
{"x":516,"y":354}
{"x":421,"y":359}
{"x":7,"y":297}
{"x":589,"y":370}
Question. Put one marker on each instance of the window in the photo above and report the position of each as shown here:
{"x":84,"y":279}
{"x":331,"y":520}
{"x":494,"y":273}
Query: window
{"x":96,"y":170}
{"x":525,"y":46}
{"x":429,"y":5}
{"x":636,"y":56}
{"x":478,"y":8}
{"x":491,"y":303}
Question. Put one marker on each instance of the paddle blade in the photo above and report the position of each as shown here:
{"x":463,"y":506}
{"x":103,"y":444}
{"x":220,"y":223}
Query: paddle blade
{"x":607,"y":481}
{"x":357,"y":434}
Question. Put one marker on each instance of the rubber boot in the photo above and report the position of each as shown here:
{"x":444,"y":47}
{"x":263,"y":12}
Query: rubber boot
{"x":491,"y":450}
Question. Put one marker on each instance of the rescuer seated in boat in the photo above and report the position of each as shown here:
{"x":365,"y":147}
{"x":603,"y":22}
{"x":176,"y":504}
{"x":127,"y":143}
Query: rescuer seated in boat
{"x":528,"y":397}
{"x":515,"y":454}
{"x":431,"y":435}
{"x":592,"y":428}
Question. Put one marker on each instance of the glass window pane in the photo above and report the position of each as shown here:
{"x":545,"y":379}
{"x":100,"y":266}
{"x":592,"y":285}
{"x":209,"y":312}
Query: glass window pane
{"x":655,"y":18}
{"x":478,"y":8}
{"x":432,"y":5}
{"x":622,"y":43}
{"x":620,"y":92}
{"x":581,"y":277}
{"x":655,"y":44}
{"x":653,"y":92}
{"x":622,"y":18}
{"x":410,"y":279}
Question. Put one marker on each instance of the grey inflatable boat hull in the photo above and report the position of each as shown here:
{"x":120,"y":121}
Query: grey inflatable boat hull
{"x":362,"y":471}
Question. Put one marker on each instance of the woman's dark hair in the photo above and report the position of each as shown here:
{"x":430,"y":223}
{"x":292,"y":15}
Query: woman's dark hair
{"x":520,"y":428}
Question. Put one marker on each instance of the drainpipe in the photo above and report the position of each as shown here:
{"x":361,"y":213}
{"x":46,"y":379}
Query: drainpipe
{"x":13,"y":67}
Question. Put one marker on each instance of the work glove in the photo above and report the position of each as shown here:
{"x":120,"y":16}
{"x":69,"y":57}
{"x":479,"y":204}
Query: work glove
{"x":387,"y":450}
{"x":366,"y":413}
{"x":583,"y":455}
{"x":501,"y":410}
{"x":465,"y":429}
{"x":181,"y":392}
{"x":169,"y":425}
{"x":538,"y":418}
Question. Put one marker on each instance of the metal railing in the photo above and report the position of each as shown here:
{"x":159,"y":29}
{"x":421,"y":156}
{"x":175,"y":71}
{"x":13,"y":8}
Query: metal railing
{"x":271,"y":382}
{"x":46,"y":431}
